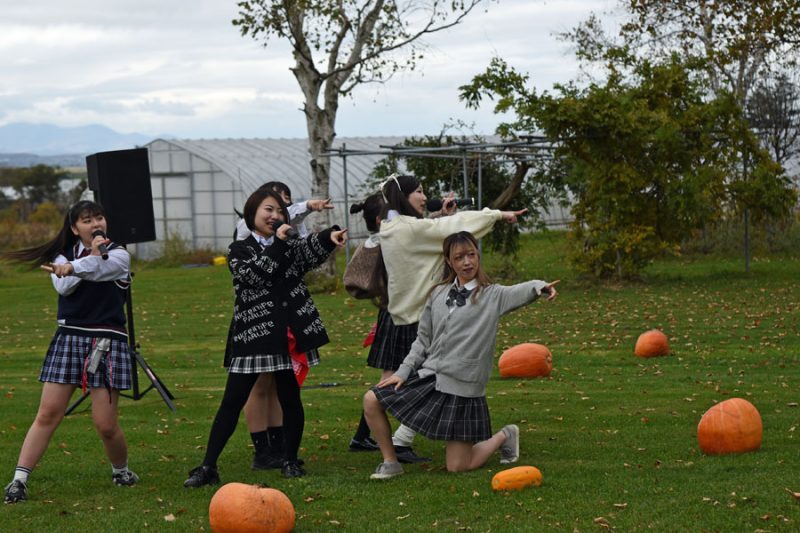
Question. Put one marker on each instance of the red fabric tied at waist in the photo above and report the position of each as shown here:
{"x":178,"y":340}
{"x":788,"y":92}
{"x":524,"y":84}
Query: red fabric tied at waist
{"x":370,"y":338}
{"x":299,"y":359}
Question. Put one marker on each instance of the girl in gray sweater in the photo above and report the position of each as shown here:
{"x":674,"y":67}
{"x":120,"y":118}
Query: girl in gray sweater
{"x":440,"y":388}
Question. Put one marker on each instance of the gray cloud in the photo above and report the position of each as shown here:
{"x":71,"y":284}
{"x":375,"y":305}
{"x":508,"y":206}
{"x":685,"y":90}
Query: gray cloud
{"x":182,"y":68}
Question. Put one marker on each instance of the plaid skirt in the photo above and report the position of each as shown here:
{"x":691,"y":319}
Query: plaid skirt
{"x":392,"y":343}
{"x":435,"y":414}
{"x":67,"y":356}
{"x":256,"y":364}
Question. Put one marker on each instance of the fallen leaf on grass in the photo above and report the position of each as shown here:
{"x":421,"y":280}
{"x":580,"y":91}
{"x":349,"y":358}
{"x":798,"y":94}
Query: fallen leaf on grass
{"x":620,"y":505}
{"x":170,"y":517}
{"x":602,"y":522}
{"x":795,"y":495}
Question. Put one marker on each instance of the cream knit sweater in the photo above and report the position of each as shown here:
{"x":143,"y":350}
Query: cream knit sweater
{"x":412,"y":252}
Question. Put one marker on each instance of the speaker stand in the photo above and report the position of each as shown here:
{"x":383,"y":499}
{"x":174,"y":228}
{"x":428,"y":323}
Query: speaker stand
{"x":136,"y":361}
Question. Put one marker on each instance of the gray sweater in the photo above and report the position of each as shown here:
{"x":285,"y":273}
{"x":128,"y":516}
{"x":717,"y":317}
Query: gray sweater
{"x":458,"y":347}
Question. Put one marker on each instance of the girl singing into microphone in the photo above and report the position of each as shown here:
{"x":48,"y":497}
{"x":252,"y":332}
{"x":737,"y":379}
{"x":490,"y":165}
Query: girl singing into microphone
{"x":90,"y":346}
{"x":271,"y":297}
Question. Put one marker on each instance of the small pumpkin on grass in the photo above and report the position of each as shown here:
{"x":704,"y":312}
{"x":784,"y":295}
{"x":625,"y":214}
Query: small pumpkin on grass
{"x":242,"y":508}
{"x":527,"y":360}
{"x":651,"y":343}
{"x":732,"y":426}
{"x":517,"y":478}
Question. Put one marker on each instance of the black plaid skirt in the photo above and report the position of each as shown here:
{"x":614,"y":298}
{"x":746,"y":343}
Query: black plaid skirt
{"x":66,"y":358}
{"x":437,"y":415}
{"x":392,"y":343}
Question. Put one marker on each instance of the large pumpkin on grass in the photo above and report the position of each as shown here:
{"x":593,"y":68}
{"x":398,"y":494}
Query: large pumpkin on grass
{"x":517,"y":478}
{"x":241,"y":508}
{"x":732,"y":426}
{"x":651,"y":343}
{"x":528,"y":360}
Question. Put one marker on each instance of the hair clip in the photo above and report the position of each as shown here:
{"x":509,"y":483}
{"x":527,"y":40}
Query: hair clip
{"x":392,"y":176}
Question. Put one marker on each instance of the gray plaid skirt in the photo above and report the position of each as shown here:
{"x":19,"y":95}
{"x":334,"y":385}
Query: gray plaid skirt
{"x":66,"y":359}
{"x":392,"y":343}
{"x":435,"y":414}
{"x":257,"y":364}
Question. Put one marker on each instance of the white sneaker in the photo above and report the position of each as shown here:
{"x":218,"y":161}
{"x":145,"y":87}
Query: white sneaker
{"x":509,"y":450}
{"x":126,"y":478}
{"x":387,"y":470}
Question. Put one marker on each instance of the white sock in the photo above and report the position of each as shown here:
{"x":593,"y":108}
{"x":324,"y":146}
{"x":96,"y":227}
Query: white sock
{"x":119,"y":469}
{"x":404,"y":436}
{"x":21,"y":473}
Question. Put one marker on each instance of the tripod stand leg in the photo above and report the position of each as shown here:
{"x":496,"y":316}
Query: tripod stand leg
{"x":166,"y":395}
{"x":76,"y":404}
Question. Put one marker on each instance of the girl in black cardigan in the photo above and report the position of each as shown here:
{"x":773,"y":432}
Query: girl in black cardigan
{"x":271,"y":296}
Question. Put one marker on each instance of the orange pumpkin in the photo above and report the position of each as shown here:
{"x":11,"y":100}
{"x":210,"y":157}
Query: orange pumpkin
{"x":241,"y":508}
{"x":732,"y":426}
{"x":517,"y":478}
{"x":651,"y":343}
{"x":527,"y":360}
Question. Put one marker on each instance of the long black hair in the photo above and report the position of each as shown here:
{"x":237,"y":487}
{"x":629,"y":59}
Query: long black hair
{"x":372,"y":207}
{"x":45,"y":253}
{"x":395,"y":191}
{"x":280,"y":188}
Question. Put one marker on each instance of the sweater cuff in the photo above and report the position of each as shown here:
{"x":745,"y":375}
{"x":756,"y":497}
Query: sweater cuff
{"x":324,"y":238}
{"x":403,"y":371}
{"x":539,"y":285}
{"x":498,"y":215}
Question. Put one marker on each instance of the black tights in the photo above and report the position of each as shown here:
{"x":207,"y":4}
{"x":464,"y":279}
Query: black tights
{"x":237,"y":390}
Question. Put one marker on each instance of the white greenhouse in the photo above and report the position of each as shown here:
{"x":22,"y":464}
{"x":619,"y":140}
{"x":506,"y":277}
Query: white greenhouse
{"x":197,"y":184}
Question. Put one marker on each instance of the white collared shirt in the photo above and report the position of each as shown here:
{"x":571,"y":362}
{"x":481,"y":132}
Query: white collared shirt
{"x":470,"y":286}
{"x":92,"y":268}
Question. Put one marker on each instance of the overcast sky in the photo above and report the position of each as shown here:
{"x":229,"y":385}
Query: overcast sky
{"x":179,"y":67}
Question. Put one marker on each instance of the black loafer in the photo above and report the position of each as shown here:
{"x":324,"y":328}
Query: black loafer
{"x":367,"y":444}
{"x":406,"y":455}
{"x":202,"y":475}
{"x":266,"y":461}
{"x":292,"y":469}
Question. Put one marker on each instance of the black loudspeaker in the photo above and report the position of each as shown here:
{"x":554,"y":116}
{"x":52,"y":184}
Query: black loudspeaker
{"x":120,"y":181}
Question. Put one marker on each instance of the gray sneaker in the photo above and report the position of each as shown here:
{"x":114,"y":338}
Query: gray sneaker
{"x":387,"y":470}
{"x":125,"y":478}
{"x":509,"y":450}
{"x":16,"y":491}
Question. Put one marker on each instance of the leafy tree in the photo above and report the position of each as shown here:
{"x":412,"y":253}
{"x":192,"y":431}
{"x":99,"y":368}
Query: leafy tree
{"x":37,"y":184}
{"x":733,"y":42}
{"x":49,"y":214}
{"x":773,"y":111}
{"x":340,"y":44}
{"x":648,"y":159}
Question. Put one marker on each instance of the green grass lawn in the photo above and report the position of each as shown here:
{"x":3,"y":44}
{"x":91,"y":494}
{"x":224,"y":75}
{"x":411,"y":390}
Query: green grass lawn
{"x":614,"y":435}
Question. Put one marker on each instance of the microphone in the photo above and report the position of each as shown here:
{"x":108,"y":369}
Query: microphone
{"x":291,"y":233}
{"x":103,"y":249}
{"x":436,"y":204}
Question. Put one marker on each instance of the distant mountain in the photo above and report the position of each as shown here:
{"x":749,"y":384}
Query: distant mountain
{"x":29,"y":160}
{"x":49,"y":140}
